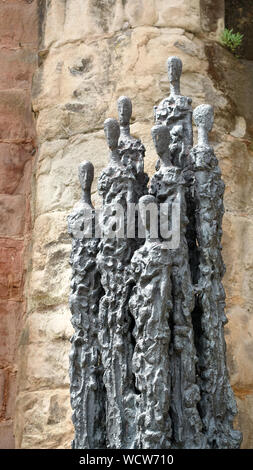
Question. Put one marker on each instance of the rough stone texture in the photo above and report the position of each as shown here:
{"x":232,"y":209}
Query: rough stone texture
{"x":212,"y":15}
{"x":89,"y":56}
{"x":18,"y":45}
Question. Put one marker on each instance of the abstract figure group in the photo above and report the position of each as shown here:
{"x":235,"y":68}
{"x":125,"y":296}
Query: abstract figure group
{"x":148,"y":357}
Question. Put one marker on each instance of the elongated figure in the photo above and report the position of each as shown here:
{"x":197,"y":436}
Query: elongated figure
{"x":151,"y":305}
{"x":86,"y":373}
{"x":167,"y":185}
{"x":116,"y":185}
{"x":217,"y":404}
{"x":175,"y":112}
{"x":132,"y":151}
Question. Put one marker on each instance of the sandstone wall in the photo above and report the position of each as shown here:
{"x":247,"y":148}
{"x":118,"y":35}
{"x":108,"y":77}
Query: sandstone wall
{"x":18,"y":59}
{"x":92,"y":52}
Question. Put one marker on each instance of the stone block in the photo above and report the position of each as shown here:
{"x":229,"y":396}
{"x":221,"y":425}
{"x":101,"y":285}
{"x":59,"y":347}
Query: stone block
{"x":57,"y":176}
{"x":46,"y":366}
{"x":2,"y":388}
{"x":239,"y":333}
{"x":46,"y":419}
{"x":49,"y":325}
{"x":237,"y":171}
{"x":10,"y":313}
{"x":212,"y":14}
{"x":80,"y":94}
{"x":18,"y":18}
{"x":50,"y":277}
{"x":17,"y":67}
{"x":11,"y":269}
{"x":244,"y":420}
{"x":96,"y":19}
{"x":237,"y":247}
{"x":7,"y":394}
{"x":13,"y":159}
{"x":16,"y":121}
{"x":11,"y":396}
{"x":12,"y":215}
{"x":7,"y":440}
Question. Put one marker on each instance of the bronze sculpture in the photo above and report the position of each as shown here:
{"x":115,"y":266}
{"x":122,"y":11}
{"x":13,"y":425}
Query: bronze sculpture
{"x":148,"y":361}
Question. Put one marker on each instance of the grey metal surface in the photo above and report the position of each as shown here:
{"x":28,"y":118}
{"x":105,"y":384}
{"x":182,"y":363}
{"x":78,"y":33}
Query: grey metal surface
{"x":167,"y":184}
{"x":131,"y":150}
{"x":217,"y":405}
{"x":86,"y":373}
{"x":175,"y":111}
{"x":148,"y":358}
{"x":116,"y":185}
{"x":151,"y":304}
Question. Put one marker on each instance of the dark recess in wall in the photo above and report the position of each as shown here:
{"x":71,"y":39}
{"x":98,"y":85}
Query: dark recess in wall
{"x":239,"y":16}
{"x":211,"y":11}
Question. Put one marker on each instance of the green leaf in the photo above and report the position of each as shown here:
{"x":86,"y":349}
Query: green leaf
{"x":231,"y":40}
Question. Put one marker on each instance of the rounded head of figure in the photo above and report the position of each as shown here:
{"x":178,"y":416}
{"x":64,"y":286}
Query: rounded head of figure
{"x":124,"y":110}
{"x":161,"y":138}
{"x":174,"y":68}
{"x":146,"y":203}
{"x":176,"y":132}
{"x":86,"y":175}
{"x":112,"y":132}
{"x":204,"y":117}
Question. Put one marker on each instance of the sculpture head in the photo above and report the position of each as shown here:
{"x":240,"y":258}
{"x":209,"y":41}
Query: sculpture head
{"x":146,"y":203}
{"x":124,"y":110}
{"x":86,"y":175}
{"x":203,"y":117}
{"x":161,"y":138}
{"x":112,"y":132}
{"x":174,"y":68}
